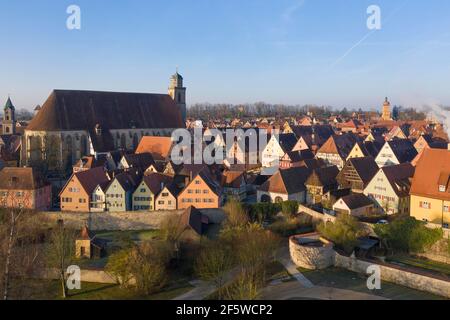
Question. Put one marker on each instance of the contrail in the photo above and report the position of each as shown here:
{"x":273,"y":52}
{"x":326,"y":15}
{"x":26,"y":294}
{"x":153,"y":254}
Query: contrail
{"x":366,"y":36}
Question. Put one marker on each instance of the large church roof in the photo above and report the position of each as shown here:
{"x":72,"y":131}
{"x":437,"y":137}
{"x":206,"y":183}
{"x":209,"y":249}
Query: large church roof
{"x":83,"y":110}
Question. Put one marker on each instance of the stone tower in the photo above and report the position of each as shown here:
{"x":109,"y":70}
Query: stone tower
{"x":9,"y":118}
{"x":387,"y":115}
{"x":178,"y":93}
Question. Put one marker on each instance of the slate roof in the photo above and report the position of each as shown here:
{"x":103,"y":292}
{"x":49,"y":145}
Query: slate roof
{"x":83,"y":110}
{"x":403,"y":149}
{"x":400,"y":177}
{"x":154,"y":181}
{"x":357,"y":200}
{"x":194,"y":219}
{"x":288,"y":181}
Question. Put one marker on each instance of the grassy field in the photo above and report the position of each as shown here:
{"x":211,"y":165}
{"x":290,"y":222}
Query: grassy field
{"x":117,"y":236}
{"x":51,"y":290}
{"x":343,"y":279}
{"x":442,"y":269}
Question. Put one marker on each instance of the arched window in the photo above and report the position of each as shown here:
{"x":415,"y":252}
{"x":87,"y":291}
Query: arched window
{"x":278,"y":200}
{"x":84,"y":146}
{"x":123,"y":141}
{"x":179,"y":97}
{"x":69,"y":149}
{"x":265,"y":198}
{"x":135,"y":141}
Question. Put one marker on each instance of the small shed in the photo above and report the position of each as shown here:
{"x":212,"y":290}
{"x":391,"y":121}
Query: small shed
{"x":88,"y":246}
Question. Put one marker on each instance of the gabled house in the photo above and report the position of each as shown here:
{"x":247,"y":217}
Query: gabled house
{"x":76,"y":195}
{"x":167,"y":199}
{"x":311,"y":137}
{"x":119,"y":194}
{"x":357,"y":205}
{"x":203,"y":192}
{"x":194,"y":222}
{"x":428,"y":142}
{"x":357,"y":174}
{"x":288,"y":184}
{"x":337,"y":148}
{"x":98,"y":202}
{"x":277,"y":147}
{"x":24,"y":188}
{"x":138,"y":161}
{"x":296,"y":158}
{"x":146,"y":192}
{"x":397,"y":132}
{"x":396,"y":151}
{"x":389,"y":188}
{"x":234,"y":184}
{"x":319,"y":182}
{"x":430,"y":189}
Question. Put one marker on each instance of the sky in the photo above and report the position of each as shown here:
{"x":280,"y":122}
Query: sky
{"x":230,"y":51}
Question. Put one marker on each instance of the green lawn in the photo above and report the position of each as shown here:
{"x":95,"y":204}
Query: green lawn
{"x":116,"y":236}
{"x":440,"y":268}
{"x":98,"y":291}
{"x":343,"y":279}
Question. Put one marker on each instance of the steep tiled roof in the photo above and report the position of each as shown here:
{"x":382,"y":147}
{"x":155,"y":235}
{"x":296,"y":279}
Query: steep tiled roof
{"x":287,"y":181}
{"x":357,"y":200}
{"x":433,"y":170}
{"x":83,"y":110}
{"x":90,"y":179}
{"x":399,"y":176}
{"x":194,"y":219}
{"x":158,"y":147}
{"x":21,"y":179}
{"x":156,"y":181}
{"x":366,"y":168}
{"x":232,"y":179}
{"x":403,"y":149}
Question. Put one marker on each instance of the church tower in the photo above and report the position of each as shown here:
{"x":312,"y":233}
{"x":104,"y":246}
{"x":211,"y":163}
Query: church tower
{"x":387,"y":115}
{"x":9,"y":118}
{"x":178,"y":93}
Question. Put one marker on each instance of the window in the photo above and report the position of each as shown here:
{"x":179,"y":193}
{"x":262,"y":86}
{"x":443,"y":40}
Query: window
{"x":425,"y":205}
{"x":143,"y":190}
{"x":165,"y":194}
{"x":198,"y":182}
{"x":446,"y":208}
{"x":442,"y":188}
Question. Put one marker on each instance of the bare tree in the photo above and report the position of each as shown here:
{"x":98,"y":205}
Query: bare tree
{"x":61,"y":252}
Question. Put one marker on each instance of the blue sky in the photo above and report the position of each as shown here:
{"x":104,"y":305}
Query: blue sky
{"x":278,"y":51}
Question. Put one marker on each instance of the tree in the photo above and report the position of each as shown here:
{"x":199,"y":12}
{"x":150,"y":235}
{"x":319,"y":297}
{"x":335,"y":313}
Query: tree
{"x":21,"y":231}
{"x":235,"y":213}
{"x":344,"y":232}
{"x":119,"y":266}
{"x":213,"y":263}
{"x":172,"y":230}
{"x":143,"y":267}
{"x":289,"y":208}
{"x":149,"y":263}
{"x":61,"y":252}
{"x":407,"y":234}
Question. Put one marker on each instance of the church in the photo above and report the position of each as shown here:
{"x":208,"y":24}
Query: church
{"x":75,"y":123}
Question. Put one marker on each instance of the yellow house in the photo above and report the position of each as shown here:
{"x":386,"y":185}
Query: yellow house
{"x":430,"y":190}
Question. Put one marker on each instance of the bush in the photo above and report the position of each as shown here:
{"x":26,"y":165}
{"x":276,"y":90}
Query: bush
{"x":260,"y":212}
{"x":236,"y":213}
{"x":344,"y":232}
{"x":290,"y":227}
{"x":408,"y":235}
{"x":289,"y":208}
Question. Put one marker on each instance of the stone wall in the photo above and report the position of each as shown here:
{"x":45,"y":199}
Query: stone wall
{"x":133,"y":220}
{"x":397,"y":275}
{"x":311,"y":257}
